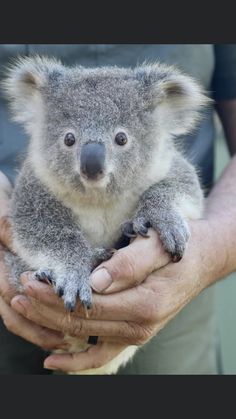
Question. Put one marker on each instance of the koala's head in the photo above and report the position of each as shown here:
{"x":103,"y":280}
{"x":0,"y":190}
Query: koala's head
{"x":102,"y":127}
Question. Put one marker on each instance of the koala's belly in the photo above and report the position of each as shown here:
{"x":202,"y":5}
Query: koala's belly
{"x":102,"y":226}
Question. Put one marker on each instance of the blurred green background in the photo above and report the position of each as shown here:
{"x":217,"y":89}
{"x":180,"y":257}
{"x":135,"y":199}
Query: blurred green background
{"x":226,"y":289}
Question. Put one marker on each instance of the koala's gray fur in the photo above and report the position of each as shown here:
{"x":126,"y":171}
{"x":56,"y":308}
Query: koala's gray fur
{"x":64,"y":224}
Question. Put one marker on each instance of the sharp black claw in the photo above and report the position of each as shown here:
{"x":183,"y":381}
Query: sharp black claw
{"x":130,"y":235}
{"x":128,"y":230}
{"x":110,"y":252}
{"x":87,"y":304}
{"x":42,"y":277}
{"x":176,"y":258}
{"x":70,"y":306}
{"x":143,"y":232}
{"x":60,"y":291}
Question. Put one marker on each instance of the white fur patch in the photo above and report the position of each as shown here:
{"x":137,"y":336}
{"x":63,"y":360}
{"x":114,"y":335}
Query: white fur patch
{"x":100,"y":221}
{"x":189,"y":208}
{"x":79,"y":345}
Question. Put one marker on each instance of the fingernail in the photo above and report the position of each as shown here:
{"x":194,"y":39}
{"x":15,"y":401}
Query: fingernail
{"x":49,"y":363}
{"x":48,"y":366}
{"x":101,"y":280}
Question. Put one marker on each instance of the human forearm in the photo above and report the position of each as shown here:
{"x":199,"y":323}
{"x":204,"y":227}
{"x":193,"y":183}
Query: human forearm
{"x":220,"y":212}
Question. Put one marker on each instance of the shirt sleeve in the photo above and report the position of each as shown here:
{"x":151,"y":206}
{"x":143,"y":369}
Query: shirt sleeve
{"x":224,"y":77}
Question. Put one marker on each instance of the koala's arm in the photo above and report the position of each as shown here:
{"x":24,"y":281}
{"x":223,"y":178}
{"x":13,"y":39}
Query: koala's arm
{"x":166,"y":205}
{"x":50,"y":241}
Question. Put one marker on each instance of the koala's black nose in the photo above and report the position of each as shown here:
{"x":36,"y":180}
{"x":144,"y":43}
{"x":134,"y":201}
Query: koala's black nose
{"x":92,"y":160}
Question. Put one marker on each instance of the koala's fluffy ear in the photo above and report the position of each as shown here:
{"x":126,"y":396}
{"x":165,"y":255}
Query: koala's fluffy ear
{"x":175,"y":99}
{"x":23,"y":85}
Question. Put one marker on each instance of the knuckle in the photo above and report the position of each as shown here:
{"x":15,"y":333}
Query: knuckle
{"x":142,"y":334}
{"x":71,"y":325}
{"x":144,"y":308}
{"x":150,"y":313}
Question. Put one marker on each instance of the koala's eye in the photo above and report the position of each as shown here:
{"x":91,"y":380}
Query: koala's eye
{"x":69,"y":139}
{"x":121,"y":138}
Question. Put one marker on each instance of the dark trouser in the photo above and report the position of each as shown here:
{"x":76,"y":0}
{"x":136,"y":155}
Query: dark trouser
{"x":18,"y":356}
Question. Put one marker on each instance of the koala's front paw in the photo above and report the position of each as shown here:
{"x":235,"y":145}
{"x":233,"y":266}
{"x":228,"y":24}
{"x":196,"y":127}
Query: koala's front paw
{"x":174,"y":233}
{"x":134,"y":227}
{"x":69,"y":285}
{"x":173,"y":230}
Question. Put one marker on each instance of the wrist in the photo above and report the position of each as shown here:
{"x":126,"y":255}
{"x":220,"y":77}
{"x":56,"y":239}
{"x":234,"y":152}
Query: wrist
{"x":211,"y":253}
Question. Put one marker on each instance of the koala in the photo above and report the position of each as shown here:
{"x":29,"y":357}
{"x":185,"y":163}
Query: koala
{"x":101,"y":166}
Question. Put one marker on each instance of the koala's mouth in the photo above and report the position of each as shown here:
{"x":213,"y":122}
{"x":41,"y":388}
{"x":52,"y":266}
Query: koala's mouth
{"x":101,"y":180}
{"x":93,"y":177}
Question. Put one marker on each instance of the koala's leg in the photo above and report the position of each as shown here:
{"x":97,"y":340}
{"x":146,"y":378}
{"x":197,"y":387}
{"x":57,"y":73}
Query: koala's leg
{"x":166,"y":206}
{"x":49,"y":240}
{"x":16,"y":266}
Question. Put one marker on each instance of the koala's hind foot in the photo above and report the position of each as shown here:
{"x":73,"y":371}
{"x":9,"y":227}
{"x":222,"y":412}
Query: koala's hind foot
{"x":68,"y":284}
{"x":16,"y":267}
{"x":73,"y":283}
{"x":172,"y":228}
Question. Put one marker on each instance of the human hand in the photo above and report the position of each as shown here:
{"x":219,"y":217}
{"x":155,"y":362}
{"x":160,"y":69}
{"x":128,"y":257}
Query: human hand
{"x":128,"y":316}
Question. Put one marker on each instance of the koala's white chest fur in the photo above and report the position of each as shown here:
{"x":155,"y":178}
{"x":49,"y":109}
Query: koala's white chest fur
{"x":102,"y":225}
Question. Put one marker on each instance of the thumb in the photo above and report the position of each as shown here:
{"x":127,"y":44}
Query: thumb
{"x":131,"y":265}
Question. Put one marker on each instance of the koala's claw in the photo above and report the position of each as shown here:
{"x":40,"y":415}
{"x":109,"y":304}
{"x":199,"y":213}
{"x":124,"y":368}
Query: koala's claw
{"x":60,"y":291}
{"x":127,"y":229}
{"x":85,"y":295}
{"x":176,"y":257}
{"x":74,"y":291}
{"x":174,"y":239}
{"x":137,"y":226}
{"x":70,"y":306}
{"x":102,"y":254}
{"x":45,"y":275}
